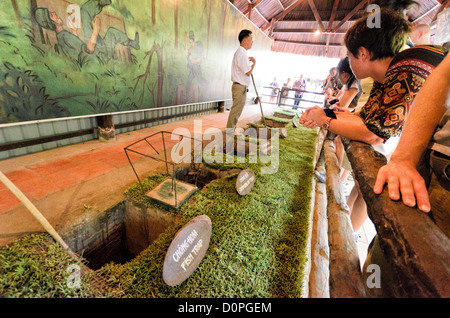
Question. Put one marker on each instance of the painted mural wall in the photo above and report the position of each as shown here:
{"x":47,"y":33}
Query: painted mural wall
{"x":62,"y":58}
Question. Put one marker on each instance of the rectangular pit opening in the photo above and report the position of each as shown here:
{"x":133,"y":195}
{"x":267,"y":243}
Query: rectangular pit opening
{"x":122,"y":232}
{"x":118,"y":234}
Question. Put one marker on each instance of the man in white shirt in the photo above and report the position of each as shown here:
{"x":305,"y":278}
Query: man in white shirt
{"x":241,"y":70}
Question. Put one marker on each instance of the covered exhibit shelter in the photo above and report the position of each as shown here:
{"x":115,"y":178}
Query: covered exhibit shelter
{"x":116,"y":168}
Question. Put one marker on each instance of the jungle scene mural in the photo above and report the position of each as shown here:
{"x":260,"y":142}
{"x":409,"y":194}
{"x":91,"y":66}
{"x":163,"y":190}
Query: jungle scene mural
{"x":61,"y":58}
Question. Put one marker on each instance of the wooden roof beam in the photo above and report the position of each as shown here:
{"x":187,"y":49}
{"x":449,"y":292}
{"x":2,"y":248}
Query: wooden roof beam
{"x":309,"y":43}
{"x":282,"y":14}
{"x":351,"y":13}
{"x":260,"y":14}
{"x":444,"y":3}
{"x":333,"y":15}
{"x":301,"y":21}
{"x":251,"y":6}
{"x":426,"y":13}
{"x":316,"y":15}
{"x":281,"y":5}
{"x":327,"y":45}
{"x":308,"y":31}
{"x":330,"y":25}
{"x":265,"y":27}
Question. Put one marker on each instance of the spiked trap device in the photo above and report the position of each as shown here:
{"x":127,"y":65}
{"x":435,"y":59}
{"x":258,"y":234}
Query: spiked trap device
{"x":170,"y":191}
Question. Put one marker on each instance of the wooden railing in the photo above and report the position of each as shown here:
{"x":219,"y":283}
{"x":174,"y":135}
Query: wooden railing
{"x":284,"y":101}
{"x":417,"y":251}
{"x":345,"y":278}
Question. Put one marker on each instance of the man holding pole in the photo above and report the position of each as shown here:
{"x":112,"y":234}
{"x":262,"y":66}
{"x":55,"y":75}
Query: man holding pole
{"x":241,"y":70}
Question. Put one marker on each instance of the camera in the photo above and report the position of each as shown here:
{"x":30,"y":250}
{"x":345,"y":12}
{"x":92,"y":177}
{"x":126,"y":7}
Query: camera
{"x":334,"y":101}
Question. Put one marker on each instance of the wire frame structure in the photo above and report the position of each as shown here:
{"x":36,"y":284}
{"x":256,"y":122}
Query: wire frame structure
{"x":147,"y":147}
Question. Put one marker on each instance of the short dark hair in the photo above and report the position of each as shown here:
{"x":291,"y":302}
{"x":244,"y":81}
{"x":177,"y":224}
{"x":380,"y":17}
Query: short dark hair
{"x":243,"y":34}
{"x":385,"y":41}
{"x":344,"y":66}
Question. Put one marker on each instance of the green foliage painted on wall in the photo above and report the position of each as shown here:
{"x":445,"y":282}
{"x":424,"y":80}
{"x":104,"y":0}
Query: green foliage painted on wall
{"x":64,"y":58}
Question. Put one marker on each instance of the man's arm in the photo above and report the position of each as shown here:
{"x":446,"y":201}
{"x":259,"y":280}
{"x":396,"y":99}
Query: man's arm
{"x":186,"y":41}
{"x":92,"y":42}
{"x":346,"y":125}
{"x":400,"y":173}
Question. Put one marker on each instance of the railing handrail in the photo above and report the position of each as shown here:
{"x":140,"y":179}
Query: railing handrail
{"x":281,"y":99}
{"x":295,"y":89}
{"x":416,"y":249}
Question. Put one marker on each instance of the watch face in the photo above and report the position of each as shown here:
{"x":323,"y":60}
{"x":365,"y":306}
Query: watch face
{"x":326,"y":125}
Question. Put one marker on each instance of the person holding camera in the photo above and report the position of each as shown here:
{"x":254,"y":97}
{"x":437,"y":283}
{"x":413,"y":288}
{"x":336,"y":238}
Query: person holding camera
{"x":351,"y":87}
{"x":421,"y":162}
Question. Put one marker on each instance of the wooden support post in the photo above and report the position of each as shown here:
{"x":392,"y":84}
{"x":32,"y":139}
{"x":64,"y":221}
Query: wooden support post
{"x":319,"y":147}
{"x":311,"y":271}
{"x":221,"y":106}
{"x":416,"y":249}
{"x":320,"y":251}
{"x":345,"y":270}
{"x":106,"y":131}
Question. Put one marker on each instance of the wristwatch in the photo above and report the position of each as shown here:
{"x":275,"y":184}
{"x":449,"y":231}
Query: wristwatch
{"x":326,"y":123}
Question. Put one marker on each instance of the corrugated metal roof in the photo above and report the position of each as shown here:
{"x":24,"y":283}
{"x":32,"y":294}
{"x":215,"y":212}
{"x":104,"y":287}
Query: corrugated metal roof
{"x":292,"y":23}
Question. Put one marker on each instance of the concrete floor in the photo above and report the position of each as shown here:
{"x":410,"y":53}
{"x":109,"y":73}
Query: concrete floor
{"x":70,"y":184}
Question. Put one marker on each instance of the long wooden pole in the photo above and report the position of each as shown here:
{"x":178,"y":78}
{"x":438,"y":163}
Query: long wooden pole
{"x":259,"y":100}
{"x":36,"y":213}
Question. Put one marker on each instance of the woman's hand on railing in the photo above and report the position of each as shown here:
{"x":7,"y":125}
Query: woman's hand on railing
{"x":403,"y":179}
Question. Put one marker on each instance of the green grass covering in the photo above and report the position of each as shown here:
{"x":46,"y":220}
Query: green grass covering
{"x":36,"y":266}
{"x":285,"y":112}
{"x":257,"y":125}
{"x":257,"y":247}
{"x":278,"y":119}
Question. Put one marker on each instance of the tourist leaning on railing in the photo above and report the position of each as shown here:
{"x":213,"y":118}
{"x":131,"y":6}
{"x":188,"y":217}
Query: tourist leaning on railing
{"x":351,"y":86}
{"x":419,"y":170}
{"x":424,"y":152}
{"x":347,"y":99}
{"x":398,"y":77}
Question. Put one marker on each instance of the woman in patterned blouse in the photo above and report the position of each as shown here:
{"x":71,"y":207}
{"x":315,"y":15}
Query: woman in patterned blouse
{"x":398,"y":77}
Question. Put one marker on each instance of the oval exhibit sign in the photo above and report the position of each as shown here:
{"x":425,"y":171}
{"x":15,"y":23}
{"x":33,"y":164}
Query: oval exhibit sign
{"x":245,"y":181}
{"x":187,"y":250}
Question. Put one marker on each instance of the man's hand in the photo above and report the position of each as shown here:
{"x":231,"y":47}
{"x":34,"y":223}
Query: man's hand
{"x":403,"y":178}
{"x":252,"y":59}
{"x":313,"y":117}
{"x":96,"y":25}
{"x":92,"y":42}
